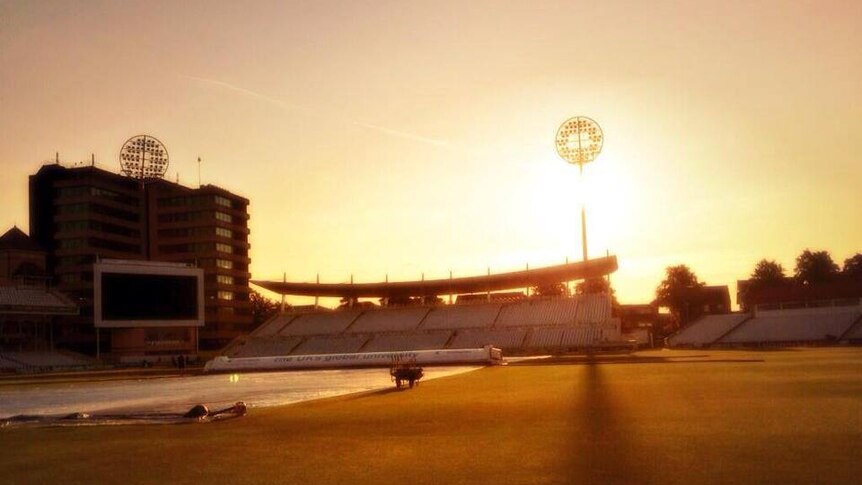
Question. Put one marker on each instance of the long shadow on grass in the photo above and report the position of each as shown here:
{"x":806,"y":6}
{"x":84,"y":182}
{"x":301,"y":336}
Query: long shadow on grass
{"x":602,"y":449}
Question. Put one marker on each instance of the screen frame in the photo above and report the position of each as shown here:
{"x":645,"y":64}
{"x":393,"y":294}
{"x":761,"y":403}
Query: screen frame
{"x":145,"y":268}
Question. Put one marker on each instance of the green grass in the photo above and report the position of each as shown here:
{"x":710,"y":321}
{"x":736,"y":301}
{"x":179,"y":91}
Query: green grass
{"x":662,"y":417}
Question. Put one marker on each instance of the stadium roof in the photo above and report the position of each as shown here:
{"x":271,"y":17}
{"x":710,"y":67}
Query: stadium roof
{"x":592,"y":268}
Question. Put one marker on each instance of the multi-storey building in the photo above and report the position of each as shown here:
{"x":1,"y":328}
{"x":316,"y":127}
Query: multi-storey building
{"x":208,"y":227}
{"x":82,"y":214}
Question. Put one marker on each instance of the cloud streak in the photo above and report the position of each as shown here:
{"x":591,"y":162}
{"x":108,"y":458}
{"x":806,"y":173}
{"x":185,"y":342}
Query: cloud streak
{"x":315,"y":113}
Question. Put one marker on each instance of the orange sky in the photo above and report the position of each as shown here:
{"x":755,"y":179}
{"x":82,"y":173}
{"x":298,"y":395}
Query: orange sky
{"x":409,"y":137}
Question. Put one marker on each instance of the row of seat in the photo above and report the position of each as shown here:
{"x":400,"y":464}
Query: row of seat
{"x":518,"y":339}
{"x":773,"y":327}
{"x":10,"y":365}
{"x":42,"y":359}
{"x":32,"y":297}
{"x":526,"y":313}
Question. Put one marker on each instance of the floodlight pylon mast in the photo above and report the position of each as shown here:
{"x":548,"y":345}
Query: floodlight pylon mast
{"x":583,"y":213}
{"x":579,"y":141}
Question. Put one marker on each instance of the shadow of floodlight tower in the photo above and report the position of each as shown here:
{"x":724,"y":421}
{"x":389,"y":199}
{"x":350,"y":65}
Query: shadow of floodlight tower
{"x":579,"y":141}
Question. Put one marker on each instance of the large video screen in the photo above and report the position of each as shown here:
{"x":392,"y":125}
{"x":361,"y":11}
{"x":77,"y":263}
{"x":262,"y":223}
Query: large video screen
{"x":138,"y":297}
{"x":147,"y":294}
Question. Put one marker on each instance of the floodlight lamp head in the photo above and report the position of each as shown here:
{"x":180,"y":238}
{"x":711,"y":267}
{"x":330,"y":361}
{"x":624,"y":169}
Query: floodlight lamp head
{"x":579,"y":140}
{"x":144,"y":157}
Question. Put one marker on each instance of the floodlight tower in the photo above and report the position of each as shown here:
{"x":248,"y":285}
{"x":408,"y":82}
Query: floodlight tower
{"x":579,"y":141}
{"x":144,"y":157}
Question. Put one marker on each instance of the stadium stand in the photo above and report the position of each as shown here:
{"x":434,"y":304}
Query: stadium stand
{"x":580,"y":336}
{"x":503,"y":338}
{"x":544,"y":338}
{"x":45,"y":360}
{"x":33,"y":297}
{"x":389,"y":320}
{"x":794,"y":326}
{"x":323,"y":323}
{"x":591,"y":335}
{"x":274,"y":325}
{"x":264,"y":346}
{"x":7,"y":364}
{"x":593,"y":309}
{"x":854,"y":333}
{"x":520,"y":326}
{"x":706,"y":330}
{"x":555,"y":311}
{"x":408,"y":341}
{"x":454,"y":317}
{"x":331,"y":344}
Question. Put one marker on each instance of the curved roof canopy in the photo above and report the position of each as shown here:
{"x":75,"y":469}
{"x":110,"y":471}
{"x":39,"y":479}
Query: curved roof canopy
{"x":592,"y":268}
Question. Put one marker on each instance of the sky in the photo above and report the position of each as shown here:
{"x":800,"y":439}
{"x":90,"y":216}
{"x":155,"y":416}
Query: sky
{"x":399,"y":138}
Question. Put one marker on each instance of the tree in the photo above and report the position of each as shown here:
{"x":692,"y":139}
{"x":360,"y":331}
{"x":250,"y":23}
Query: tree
{"x":767,"y":273}
{"x":597,"y":285}
{"x":815,"y":267}
{"x":853,"y":267}
{"x":262,"y":308}
{"x":674,"y":291}
{"x":553,"y":289}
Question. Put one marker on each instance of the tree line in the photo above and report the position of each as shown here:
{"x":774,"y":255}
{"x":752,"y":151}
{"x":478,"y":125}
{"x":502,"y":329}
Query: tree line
{"x":812,"y":267}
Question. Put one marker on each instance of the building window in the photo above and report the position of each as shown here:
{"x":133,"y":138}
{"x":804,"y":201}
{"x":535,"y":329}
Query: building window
{"x":72,"y":191}
{"x":221,"y":216}
{"x":220,"y":231}
{"x":224,"y":248}
{"x":222,"y":201}
{"x":71,"y":226}
{"x":72,"y":209}
{"x":225,"y":295}
{"x":76,"y":243}
{"x":114,"y":245}
{"x":224,"y":279}
{"x":224,"y":264}
{"x":74,"y":260}
{"x":173,"y":202}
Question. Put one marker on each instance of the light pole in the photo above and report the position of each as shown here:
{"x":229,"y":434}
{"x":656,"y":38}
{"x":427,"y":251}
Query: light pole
{"x":579,"y":141}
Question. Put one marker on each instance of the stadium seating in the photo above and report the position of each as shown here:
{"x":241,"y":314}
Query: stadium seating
{"x":257,"y":346}
{"x":580,"y":336}
{"x":331,"y":344}
{"x":593,"y":309}
{"x":10,"y":365}
{"x":32,"y":297}
{"x":274,"y":325}
{"x":789,"y":326}
{"x":504,"y":338}
{"x":321,"y":323}
{"x":546,"y":324}
{"x":453,"y":317}
{"x":408,"y":341}
{"x":855,"y":332}
{"x":544,"y":338}
{"x":706,"y":330}
{"x":46,"y":359}
{"x":389,"y":320}
{"x":556,"y":311}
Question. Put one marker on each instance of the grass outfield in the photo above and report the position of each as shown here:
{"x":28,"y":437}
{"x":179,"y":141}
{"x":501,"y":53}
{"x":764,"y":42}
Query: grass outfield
{"x":791,"y":416}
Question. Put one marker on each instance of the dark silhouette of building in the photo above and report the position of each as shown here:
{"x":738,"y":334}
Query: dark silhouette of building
{"x":791,"y":293}
{"x":83,"y":214}
{"x":29,"y":307}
